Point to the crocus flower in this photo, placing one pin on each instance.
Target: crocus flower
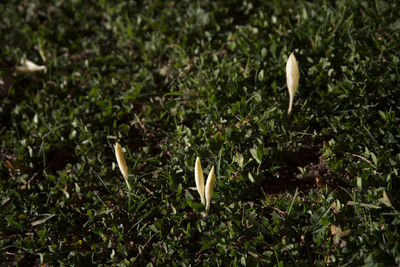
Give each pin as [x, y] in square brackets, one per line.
[205, 194]
[209, 188]
[28, 66]
[292, 78]
[122, 163]
[199, 178]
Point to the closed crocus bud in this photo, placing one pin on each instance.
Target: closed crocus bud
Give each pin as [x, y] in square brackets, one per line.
[28, 66]
[122, 163]
[209, 188]
[292, 79]
[199, 178]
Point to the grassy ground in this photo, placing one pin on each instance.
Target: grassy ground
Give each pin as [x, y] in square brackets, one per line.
[173, 80]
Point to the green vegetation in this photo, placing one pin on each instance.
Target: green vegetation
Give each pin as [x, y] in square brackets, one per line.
[173, 80]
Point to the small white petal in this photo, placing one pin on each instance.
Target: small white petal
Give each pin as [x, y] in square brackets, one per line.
[292, 78]
[122, 163]
[209, 188]
[199, 178]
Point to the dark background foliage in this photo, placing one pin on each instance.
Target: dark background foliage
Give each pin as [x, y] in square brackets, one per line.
[172, 80]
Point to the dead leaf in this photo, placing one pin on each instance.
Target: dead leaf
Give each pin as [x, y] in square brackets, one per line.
[337, 231]
[386, 199]
[337, 234]
[43, 220]
[320, 181]
[241, 123]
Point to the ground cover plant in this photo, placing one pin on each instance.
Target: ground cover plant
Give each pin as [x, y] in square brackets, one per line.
[171, 81]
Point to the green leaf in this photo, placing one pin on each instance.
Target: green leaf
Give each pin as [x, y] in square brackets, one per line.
[239, 159]
[257, 153]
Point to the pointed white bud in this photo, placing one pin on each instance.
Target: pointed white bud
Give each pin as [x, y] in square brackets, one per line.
[28, 66]
[292, 78]
[122, 163]
[199, 178]
[209, 188]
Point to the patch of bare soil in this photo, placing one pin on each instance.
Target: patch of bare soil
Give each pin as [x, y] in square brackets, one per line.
[317, 173]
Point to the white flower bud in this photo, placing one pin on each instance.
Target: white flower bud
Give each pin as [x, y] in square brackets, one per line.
[28, 66]
[292, 78]
[122, 163]
[199, 178]
[209, 188]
